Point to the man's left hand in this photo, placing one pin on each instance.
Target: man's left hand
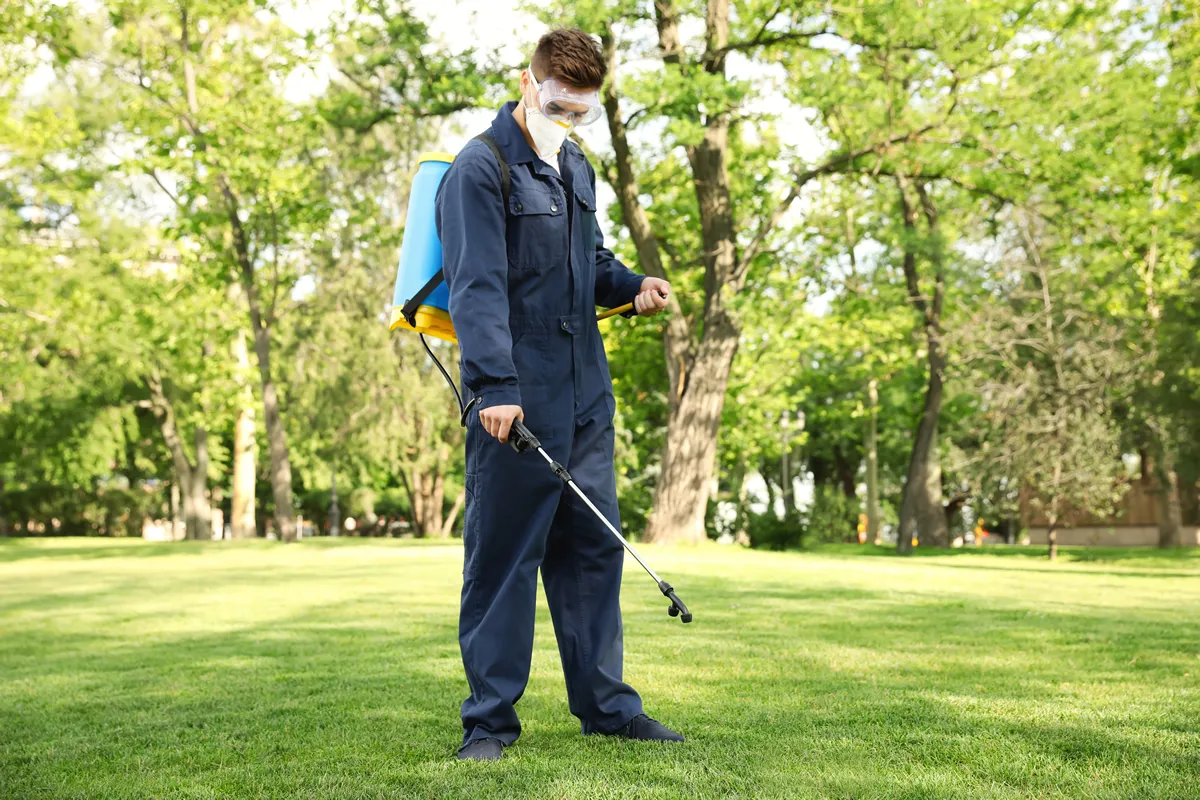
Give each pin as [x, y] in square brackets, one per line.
[652, 297]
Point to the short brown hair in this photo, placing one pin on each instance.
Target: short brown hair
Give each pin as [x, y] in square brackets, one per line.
[570, 55]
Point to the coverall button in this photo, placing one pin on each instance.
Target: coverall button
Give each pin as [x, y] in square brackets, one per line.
[554, 208]
[520, 207]
[565, 326]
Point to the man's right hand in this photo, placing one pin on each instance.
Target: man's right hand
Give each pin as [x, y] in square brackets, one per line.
[498, 420]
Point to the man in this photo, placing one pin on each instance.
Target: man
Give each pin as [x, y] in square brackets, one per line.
[526, 267]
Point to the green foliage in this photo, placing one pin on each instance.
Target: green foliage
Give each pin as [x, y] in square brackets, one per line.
[393, 503]
[833, 517]
[1069, 130]
[769, 532]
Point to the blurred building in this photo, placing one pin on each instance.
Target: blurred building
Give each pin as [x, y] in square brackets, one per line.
[1135, 522]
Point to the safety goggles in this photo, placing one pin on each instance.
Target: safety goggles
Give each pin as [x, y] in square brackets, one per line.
[565, 104]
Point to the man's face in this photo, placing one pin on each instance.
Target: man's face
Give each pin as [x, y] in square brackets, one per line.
[561, 109]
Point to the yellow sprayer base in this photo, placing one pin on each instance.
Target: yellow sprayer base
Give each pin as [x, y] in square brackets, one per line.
[430, 320]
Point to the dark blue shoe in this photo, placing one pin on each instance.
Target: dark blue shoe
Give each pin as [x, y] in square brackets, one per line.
[481, 750]
[644, 729]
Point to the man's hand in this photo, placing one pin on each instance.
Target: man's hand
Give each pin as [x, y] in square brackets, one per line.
[498, 420]
[652, 297]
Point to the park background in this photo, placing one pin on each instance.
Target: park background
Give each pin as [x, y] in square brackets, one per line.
[935, 266]
[936, 294]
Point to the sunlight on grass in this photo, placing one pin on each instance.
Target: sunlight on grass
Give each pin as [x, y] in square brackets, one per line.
[330, 669]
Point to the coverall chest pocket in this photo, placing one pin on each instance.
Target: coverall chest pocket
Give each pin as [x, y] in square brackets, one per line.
[537, 229]
[585, 198]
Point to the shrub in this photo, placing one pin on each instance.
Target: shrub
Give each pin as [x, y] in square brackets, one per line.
[768, 532]
[833, 517]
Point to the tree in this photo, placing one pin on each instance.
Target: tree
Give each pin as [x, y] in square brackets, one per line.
[1049, 368]
[241, 165]
[369, 402]
[921, 509]
[94, 319]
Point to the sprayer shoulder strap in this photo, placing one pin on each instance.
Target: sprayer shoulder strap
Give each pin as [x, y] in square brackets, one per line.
[409, 310]
[505, 177]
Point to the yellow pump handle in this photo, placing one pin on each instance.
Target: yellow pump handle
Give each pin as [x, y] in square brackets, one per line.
[612, 312]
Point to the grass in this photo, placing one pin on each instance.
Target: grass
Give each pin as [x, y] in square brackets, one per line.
[330, 670]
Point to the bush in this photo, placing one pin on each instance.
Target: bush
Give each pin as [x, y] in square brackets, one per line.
[108, 508]
[833, 517]
[768, 532]
[361, 504]
[393, 502]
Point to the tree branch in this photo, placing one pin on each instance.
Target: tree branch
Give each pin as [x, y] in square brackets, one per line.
[802, 177]
[8, 308]
[937, 255]
[153, 173]
[768, 41]
[911, 280]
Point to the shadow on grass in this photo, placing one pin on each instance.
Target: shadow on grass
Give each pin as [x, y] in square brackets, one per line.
[24, 549]
[12, 550]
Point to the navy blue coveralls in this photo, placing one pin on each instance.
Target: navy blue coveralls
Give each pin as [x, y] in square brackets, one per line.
[524, 284]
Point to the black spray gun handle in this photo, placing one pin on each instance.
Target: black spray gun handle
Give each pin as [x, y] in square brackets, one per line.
[521, 438]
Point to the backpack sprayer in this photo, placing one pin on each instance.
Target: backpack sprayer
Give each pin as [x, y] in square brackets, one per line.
[422, 304]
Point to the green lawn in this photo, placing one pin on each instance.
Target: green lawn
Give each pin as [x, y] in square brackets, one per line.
[330, 670]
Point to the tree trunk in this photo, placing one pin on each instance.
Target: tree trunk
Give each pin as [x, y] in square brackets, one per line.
[199, 520]
[428, 501]
[681, 497]
[189, 488]
[872, 462]
[437, 498]
[847, 473]
[413, 502]
[921, 511]
[698, 367]
[1170, 514]
[176, 522]
[241, 248]
[785, 468]
[335, 513]
[765, 473]
[452, 517]
[698, 388]
[242, 504]
[737, 495]
[1053, 517]
[136, 519]
[281, 465]
[424, 484]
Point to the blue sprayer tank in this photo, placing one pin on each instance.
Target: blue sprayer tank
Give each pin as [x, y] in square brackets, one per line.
[421, 254]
